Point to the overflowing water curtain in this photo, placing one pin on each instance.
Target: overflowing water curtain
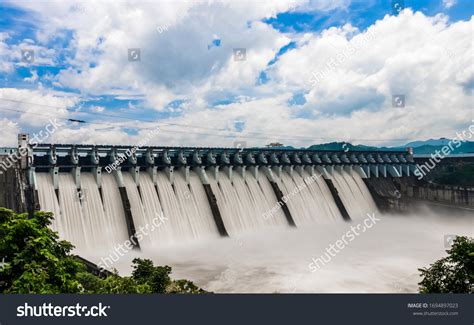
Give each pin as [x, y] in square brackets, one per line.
[354, 194]
[179, 211]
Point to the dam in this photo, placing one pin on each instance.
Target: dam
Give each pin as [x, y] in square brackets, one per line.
[103, 195]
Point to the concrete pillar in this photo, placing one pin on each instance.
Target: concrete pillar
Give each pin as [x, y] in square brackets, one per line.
[169, 172]
[324, 172]
[288, 169]
[253, 170]
[214, 172]
[374, 170]
[241, 171]
[359, 170]
[228, 170]
[277, 170]
[135, 171]
[76, 174]
[152, 171]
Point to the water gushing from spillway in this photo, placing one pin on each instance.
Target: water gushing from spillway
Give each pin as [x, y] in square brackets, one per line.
[182, 215]
[354, 194]
[76, 228]
[176, 208]
[84, 219]
[309, 198]
[245, 203]
[116, 228]
[49, 201]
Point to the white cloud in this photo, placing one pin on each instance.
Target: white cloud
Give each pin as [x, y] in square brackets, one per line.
[6, 64]
[449, 3]
[8, 133]
[33, 77]
[425, 58]
[16, 105]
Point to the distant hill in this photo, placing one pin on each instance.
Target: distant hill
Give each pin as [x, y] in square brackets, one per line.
[419, 147]
[431, 145]
[336, 146]
[430, 142]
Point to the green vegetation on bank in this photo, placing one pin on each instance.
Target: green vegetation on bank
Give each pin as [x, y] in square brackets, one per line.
[451, 274]
[34, 260]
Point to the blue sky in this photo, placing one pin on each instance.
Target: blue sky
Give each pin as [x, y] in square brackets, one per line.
[76, 56]
[362, 14]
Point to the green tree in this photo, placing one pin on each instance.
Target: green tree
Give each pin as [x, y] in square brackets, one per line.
[159, 280]
[117, 284]
[451, 274]
[36, 261]
[158, 277]
[184, 286]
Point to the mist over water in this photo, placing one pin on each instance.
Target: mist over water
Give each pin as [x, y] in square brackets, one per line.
[263, 254]
[385, 258]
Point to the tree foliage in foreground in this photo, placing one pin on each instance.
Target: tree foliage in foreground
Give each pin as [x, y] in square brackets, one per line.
[35, 260]
[451, 274]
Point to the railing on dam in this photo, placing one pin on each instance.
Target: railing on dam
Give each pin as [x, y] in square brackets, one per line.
[68, 156]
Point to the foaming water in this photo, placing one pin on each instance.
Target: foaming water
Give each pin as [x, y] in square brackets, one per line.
[277, 218]
[93, 212]
[200, 221]
[383, 259]
[198, 200]
[300, 212]
[247, 203]
[49, 201]
[76, 227]
[170, 204]
[153, 210]
[84, 220]
[322, 195]
[309, 198]
[116, 228]
[233, 213]
[186, 218]
[354, 194]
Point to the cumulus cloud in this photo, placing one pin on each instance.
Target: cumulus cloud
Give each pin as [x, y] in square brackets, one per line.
[410, 54]
[8, 133]
[346, 76]
[6, 64]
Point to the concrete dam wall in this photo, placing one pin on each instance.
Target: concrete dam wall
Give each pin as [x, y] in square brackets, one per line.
[103, 195]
